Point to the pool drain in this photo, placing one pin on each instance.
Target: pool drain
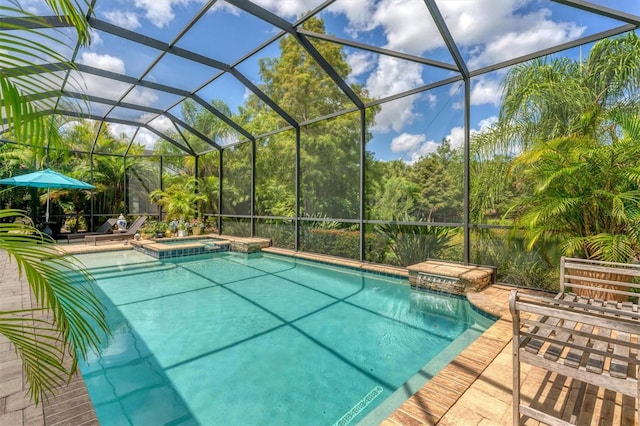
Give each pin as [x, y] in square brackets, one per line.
[361, 405]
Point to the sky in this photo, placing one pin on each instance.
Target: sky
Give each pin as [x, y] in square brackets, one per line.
[485, 31]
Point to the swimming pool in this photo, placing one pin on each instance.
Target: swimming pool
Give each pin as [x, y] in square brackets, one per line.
[231, 338]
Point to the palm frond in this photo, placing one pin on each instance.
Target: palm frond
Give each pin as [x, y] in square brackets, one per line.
[40, 346]
[23, 76]
[610, 247]
[62, 288]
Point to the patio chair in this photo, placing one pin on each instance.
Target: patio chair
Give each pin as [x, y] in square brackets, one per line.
[103, 229]
[135, 226]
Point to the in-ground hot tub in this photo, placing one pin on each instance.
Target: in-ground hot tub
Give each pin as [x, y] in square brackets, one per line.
[184, 246]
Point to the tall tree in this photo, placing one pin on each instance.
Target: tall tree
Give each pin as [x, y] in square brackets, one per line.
[330, 150]
[439, 177]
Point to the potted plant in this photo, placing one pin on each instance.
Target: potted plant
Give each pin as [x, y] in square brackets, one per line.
[183, 228]
[147, 231]
[179, 227]
[160, 228]
[197, 226]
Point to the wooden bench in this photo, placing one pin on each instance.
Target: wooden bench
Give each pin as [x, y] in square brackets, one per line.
[589, 331]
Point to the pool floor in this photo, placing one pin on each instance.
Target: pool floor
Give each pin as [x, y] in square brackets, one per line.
[256, 339]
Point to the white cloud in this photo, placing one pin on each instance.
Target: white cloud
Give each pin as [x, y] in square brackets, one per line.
[515, 44]
[142, 96]
[96, 39]
[99, 86]
[416, 146]
[487, 31]
[406, 142]
[431, 98]
[104, 62]
[456, 137]
[112, 89]
[358, 13]
[487, 123]
[161, 123]
[161, 12]
[394, 76]
[495, 30]
[413, 146]
[117, 130]
[221, 6]
[285, 9]
[395, 115]
[390, 77]
[485, 91]
[146, 138]
[456, 134]
[125, 19]
[423, 150]
[36, 7]
[407, 25]
[360, 63]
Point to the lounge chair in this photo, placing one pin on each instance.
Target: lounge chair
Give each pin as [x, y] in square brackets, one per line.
[135, 226]
[103, 229]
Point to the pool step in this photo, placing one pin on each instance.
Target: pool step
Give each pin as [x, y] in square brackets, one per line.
[131, 269]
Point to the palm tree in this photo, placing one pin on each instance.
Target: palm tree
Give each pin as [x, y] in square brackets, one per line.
[179, 199]
[547, 99]
[570, 107]
[68, 319]
[585, 192]
[567, 118]
[543, 100]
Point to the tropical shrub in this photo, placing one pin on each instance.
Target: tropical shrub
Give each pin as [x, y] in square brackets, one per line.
[410, 244]
[586, 193]
[180, 200]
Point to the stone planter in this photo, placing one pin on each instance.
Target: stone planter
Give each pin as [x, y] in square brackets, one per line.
[196, 230]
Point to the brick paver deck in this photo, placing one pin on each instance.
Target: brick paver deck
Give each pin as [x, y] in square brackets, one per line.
[474, 389]
[15, 407]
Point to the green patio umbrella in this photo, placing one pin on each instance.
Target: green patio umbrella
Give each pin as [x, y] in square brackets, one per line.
[46, 179]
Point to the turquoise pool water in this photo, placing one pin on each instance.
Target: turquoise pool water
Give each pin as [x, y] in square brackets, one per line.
[236, 339]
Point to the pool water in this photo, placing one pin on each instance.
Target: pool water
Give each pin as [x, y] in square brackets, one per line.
[236, 339]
